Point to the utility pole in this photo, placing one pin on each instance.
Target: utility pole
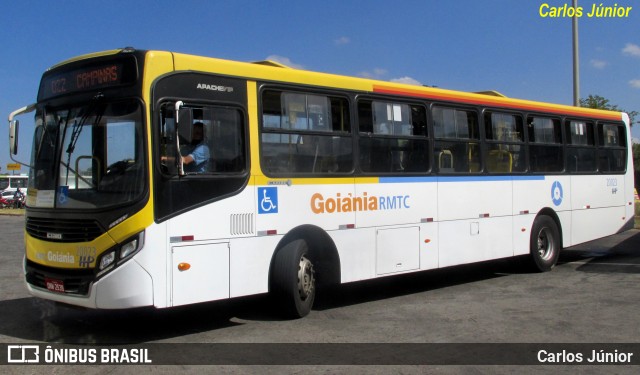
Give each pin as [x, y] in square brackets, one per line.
[576, 62]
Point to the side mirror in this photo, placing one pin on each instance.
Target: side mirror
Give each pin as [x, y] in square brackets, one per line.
[185, 124]
[13, 137]
[14, 124]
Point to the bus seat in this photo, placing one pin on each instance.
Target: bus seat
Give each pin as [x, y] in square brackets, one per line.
[499, 161]
[445, 161]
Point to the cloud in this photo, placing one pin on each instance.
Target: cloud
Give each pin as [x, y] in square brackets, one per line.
[377, 73]
[381, 74]
[631, 50]
[598, 64]
[342, 41]
[635, 83]
[407, 80]
[284, 61]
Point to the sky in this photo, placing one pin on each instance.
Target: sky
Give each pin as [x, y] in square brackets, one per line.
[517, 48]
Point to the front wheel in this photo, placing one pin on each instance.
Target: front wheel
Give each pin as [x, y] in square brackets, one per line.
[545, 244]
[293, 281]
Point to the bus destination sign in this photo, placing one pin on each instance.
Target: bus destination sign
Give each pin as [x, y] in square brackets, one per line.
[86, 78]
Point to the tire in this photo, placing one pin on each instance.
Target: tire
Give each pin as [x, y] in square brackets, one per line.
[545, 244]
[293, 281]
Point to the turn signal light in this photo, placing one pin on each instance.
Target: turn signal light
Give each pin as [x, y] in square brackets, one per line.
[184, 266]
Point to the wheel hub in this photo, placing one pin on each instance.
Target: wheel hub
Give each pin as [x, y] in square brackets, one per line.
[545, 244]
[306, 280]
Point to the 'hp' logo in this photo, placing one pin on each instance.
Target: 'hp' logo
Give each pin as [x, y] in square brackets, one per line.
[23, 354]
[85, 261]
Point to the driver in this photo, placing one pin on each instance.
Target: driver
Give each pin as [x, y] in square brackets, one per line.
[197, 153]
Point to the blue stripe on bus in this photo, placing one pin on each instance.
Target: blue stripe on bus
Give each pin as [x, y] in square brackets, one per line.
[398, 180]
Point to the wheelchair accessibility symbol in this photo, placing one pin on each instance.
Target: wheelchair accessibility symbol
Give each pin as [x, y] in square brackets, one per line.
[63, 195]
[556, 193]
[268, 200]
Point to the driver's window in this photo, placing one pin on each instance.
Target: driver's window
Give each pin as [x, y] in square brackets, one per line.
[212, 142]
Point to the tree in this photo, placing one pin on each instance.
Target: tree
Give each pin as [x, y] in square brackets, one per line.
[598, 102]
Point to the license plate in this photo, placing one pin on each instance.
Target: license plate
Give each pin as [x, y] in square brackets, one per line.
[54, 285]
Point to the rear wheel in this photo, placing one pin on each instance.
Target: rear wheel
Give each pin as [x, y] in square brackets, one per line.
[293, 282]
[545, 244]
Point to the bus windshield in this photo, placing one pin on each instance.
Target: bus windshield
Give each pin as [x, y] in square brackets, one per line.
[88, 157]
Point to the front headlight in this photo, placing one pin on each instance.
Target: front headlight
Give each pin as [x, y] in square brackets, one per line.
[128, 248]
[107, 260]
[120, 254]
[131, 246]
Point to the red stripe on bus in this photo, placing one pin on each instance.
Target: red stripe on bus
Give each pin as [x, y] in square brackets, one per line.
[488, 102]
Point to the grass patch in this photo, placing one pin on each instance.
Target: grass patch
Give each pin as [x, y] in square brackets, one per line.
[12, 211]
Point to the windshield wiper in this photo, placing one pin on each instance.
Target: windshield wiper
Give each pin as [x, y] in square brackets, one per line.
[79, 125]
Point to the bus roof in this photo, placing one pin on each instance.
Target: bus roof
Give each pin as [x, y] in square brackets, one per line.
[274, 71]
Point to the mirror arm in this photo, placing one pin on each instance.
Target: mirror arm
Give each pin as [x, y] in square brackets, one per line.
[21, 111]
[178, 105]
[179, 163]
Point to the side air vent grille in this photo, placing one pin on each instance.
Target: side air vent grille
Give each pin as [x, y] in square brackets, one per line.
[241, 224]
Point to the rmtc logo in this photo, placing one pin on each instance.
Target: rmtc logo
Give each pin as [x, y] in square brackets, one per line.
[556, 193]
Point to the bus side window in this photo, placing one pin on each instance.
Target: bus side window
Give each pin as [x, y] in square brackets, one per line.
[581, 150]
[612, 153]
[393, 137]
[505, 142]
[545, 144]
[305, 134]
[457, 133]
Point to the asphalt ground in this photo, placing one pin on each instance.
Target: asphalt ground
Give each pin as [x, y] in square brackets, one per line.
[590, 297]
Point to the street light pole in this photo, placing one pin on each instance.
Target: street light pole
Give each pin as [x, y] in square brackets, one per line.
[576, 62]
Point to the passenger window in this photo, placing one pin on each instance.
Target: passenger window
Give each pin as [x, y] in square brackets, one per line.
[545, 144]
[611, 135]
[305, 134]
[393, 137]
[457, 147]
[505, 143]
[581, 150]
[612, 152]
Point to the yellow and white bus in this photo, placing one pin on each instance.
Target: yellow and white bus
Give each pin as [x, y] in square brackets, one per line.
[300, 179]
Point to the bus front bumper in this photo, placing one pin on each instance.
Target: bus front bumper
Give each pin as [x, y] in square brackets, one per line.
[127, 286]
